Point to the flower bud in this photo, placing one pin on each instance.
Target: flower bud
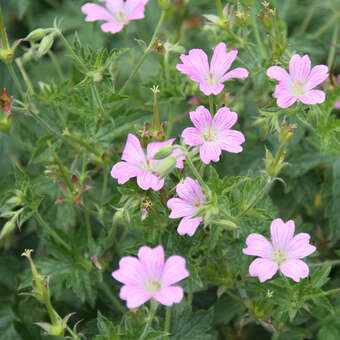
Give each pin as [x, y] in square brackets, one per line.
[166, 166]
[164, 4]
[163, 152]
[45, 44]
[37, 34]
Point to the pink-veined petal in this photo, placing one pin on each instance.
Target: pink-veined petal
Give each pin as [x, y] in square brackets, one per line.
[180, 208]
[258, 245]
[231, 141]
[299, 246]
[284, 97]
[115, 6]
[281, 233]
[294, 66]
[135, 9]
[295, 269]
[179, 161]
[201, 118]
[189, 225]
[134, 296]
[174, 270]
[153, 261]
[221, 60]
[224, 119]
[301, 68]
[210, 151]
[262, 268]
[318, 74]
[123, 171]
[238, 72]
[209, 89]
[190, 191]
[96, 12]
[313, 97]
[130, 272]
[169, 295]
[147, 180]
[112, 27]
[277, 73]
[192, 136]
[133, 152]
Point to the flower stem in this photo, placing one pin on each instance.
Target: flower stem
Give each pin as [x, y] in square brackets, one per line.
[24, 75]
[56, 64]
[211, 104]
[194, 170]
[97, 99]
[328, 292]
[190, 291]
[108, 292]
[167, 321]
[3, 32]
[219, 8]
[152, 312]
[334, 262]
[51, 231]
[257, 35]
[90, 240]
[104, 184]
[332, 50]
[146, 53]
[16, 80]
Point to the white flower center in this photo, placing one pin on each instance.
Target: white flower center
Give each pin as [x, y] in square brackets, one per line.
[153, 286]
[278, 257]
[211, 78]
[120, 16]
[209, 134]
[298, 88]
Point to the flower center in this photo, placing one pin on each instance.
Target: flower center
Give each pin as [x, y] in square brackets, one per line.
[211, 79]
[278, 257]
[152, 286]
[209, 134]
[120, 16]
[298, 88]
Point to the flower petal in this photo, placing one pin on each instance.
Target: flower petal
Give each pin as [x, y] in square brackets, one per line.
[294, 66]
[221, 60]
[174, 270]
[180, 208]
[284, 97]
[209, 89]
[277, 73]
[224, 119]
[238, 72]
[179, 161]
[201, 118]
[135, 9]
[153, 261]
[195, 65]
[301, 68]
[95, 12]
[147, 180]
[135, 296]
[153, 147]
[295, 269]
[299, 246]
[317, 75]
[123, 171]
[190, 191]
[281, 233]
[169, 295]
[313, 97]
[258, 245]
[131, 272]
[210, 151]
[189, 225]
[192, 136]
[112, 27]
[263, 268]
[133, 152]
[231, 141]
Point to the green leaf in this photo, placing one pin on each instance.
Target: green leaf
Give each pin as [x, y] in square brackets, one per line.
[329, 332]
[106, 328]
[321, 276]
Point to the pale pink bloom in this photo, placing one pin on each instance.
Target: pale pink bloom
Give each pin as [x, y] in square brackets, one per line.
[149, 277]
[190, 199]
[138, 164]
[213, 134]
[299, 83]
[211, 77]
[117, 13]
[337, 104]
[283, 253]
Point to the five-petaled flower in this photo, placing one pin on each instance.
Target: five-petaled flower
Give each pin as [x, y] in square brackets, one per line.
[190, 200]
[117, 13]
[5, 101]
[298, 84]
[283, 253]
[138, 164]
[213, 134]
[211, 77]
[149, 277]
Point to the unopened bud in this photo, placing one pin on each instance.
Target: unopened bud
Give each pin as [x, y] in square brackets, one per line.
[37, 34]
[45, 44]
[164, 4]
[163, 152]
[286, 133]
[166, 166]
[6, 55]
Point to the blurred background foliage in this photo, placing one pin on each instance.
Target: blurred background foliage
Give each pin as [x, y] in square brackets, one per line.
[69, 105]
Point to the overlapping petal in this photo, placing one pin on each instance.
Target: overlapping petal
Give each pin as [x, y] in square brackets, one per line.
[258, 245]
[264, 269]
[295, 269]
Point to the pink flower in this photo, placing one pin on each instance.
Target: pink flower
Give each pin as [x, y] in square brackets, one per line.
[117, 13]
[149, 277]
[337, 104]
[211, 78]
[284, 253]
[191, 199]
[213, 134]
[299, 83]
[138, 164]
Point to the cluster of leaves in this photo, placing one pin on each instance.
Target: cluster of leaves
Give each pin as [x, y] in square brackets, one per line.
[69, 128]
